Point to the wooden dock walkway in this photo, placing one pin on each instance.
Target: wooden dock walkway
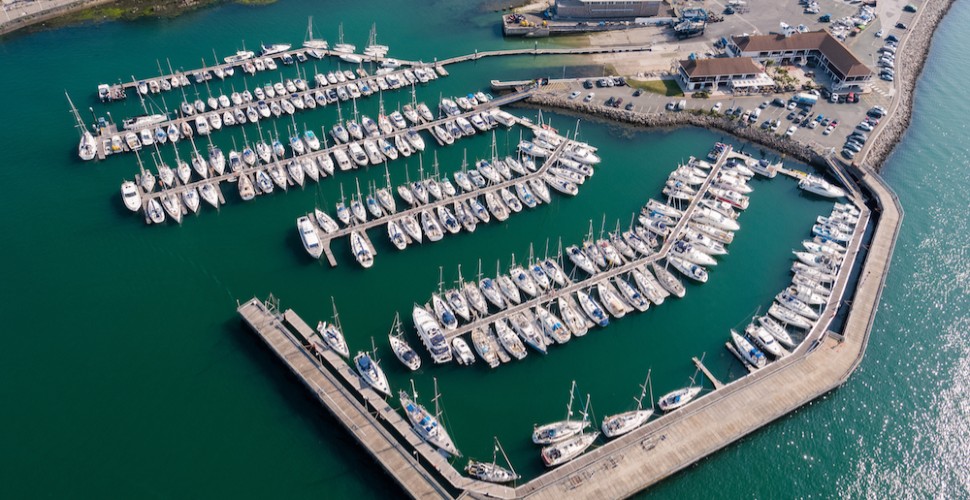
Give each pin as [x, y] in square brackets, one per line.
[590, 281]
[231, 177]
[707, 373]
[432, 205]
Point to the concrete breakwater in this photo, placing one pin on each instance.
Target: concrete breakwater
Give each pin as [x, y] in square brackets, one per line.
[795, 149]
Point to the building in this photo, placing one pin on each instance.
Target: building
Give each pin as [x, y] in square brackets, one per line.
[818, 49]
[606, 9]
[731, 72]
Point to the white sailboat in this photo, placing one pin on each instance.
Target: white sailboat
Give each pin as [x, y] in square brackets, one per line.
[426, 424]
[404, 352]
[492, 472]
[332, 333]
[623, 423]
[370, 370]
[563, 429]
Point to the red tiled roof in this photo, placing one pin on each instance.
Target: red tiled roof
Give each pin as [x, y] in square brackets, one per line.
[838, 54]
[720, 66]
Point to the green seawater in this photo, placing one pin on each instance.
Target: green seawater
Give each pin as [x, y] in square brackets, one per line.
[126, 372]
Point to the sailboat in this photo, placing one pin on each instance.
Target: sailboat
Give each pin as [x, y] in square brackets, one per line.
[563, 429]
[427, 425]
[492, 472]
[332, 333]
[623, 423]
[370, 370]
[407, 355]
[564, 451]
[313, 43]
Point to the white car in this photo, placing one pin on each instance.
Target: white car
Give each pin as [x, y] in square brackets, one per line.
[791, 105]
[716, 108]
[589, 97]
[574, 94]
[864, 126]
[791, 131]
[828, 130]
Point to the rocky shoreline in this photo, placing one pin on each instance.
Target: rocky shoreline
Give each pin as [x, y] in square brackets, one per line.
[914, 50]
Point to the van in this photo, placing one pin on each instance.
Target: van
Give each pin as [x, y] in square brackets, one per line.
[755, 114]
[681, 105]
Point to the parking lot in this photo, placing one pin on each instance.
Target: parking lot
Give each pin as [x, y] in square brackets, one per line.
[847, 115]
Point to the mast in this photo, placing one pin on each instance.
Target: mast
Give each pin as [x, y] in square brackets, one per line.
[643, 392]
[437, 407]
[508, 462]
[77, 116]
[572, 394]
[336, 317]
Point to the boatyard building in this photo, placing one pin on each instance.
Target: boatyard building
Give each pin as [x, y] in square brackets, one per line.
[722, 72]
[817, 48]
[606, 9]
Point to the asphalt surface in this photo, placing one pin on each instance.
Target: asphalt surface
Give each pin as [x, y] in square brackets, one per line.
[848, 115]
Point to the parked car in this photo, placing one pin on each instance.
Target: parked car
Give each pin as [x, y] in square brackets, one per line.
[775, 125]
[826, 122]
[886, 76]
[609, 102]
[617, 102]
[792, 115]
[589, 97]
[778, 101]
[864, 126]
[892, 38]
[763, 105]
[637, 92]
[716, 108]
[792, 105]
[901, 26]
[746, 115]
[574, 94]
[629, 106]
[852, 146]
[671, 106]
[791, 131]
[588, 84]
[848, 155]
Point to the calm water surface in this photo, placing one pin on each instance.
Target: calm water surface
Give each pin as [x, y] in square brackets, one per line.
[127, 371]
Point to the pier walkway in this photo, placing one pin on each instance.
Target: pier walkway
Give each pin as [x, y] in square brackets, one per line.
[536, 51]
[310, 90]
[230, 176]
[590, 281]
[415, 210]
[119, 90]
[384, 433]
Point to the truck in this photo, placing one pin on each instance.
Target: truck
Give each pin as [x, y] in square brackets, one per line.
[803, 98]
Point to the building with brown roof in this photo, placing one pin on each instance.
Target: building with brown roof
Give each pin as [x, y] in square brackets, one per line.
[709, 74]
[817, 48]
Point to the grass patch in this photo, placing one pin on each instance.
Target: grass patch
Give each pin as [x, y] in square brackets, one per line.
[667, 88]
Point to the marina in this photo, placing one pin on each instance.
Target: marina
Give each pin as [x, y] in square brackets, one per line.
[229, 176]
[600, 276]
[416, 209]
[672, 441]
